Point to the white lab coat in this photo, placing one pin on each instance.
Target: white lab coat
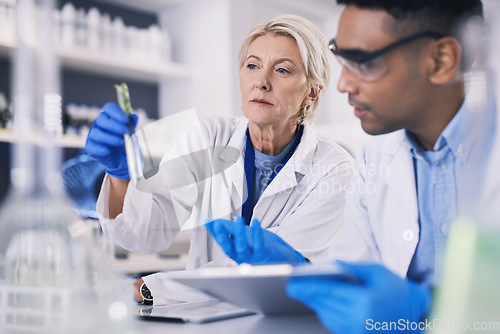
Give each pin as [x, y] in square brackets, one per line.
[304, 204]
[381, 215]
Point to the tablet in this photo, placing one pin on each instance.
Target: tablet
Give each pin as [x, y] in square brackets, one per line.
[193, 312]
[260, 289]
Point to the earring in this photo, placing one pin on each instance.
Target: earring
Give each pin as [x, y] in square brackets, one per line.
[302, 115]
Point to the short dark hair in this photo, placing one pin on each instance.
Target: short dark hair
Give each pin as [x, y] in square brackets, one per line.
[411, 16]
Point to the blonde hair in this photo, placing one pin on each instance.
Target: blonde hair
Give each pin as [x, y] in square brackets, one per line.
[313, 49]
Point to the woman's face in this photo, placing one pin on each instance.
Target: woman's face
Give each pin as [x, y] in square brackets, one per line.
[273, 82]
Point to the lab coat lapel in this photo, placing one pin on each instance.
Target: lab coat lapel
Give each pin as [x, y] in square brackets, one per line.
[235, 175]
[400, 175]
[282, 186]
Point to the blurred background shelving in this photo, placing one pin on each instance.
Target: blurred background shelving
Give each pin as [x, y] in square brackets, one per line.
[106, 66]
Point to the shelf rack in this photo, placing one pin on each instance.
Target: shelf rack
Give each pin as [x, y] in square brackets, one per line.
[138, 69]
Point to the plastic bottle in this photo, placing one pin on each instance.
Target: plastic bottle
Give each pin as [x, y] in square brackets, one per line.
[141, 44]
[93, 28]
[117, 42]
[56, 33]
[105, 33]
[81, 31]
[68, 21]
[155, 40]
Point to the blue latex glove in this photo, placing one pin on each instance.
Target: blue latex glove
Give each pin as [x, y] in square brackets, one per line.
[373, 295]
[252, 244]
[105, 141]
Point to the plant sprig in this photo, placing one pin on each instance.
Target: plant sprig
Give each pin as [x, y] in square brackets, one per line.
[123, 97]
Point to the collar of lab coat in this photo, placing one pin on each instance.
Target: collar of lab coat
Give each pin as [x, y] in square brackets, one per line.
[297, 166]
[236, 174]
[236, 141]
[399, 174]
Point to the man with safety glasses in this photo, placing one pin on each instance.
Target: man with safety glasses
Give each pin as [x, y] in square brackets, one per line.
[404, 68]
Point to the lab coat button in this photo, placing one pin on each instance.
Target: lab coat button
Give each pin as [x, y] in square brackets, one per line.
[408, 235]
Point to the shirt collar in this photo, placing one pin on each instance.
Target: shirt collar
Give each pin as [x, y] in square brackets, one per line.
[457, 135]
[454, 137]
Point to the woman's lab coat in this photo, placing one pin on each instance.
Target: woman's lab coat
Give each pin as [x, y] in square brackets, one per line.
[304, 204]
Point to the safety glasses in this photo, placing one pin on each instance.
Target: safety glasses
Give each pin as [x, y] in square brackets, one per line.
[370, 66]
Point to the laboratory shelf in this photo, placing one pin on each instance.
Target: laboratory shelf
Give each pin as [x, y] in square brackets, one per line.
[67, 141]
[126, 67]
[139, 69]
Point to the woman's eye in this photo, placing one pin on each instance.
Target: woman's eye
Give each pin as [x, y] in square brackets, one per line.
[283, 71]
[252, 66]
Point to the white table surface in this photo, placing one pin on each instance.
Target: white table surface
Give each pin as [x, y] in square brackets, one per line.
[252, 324]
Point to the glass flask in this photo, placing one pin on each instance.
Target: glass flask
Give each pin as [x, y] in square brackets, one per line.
[54, 276]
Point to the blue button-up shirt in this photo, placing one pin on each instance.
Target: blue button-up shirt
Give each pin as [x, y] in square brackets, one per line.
[436, 175]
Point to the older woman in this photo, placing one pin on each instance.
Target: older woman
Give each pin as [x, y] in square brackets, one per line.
[284, 174]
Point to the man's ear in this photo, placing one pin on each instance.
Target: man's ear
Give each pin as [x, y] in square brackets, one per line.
[446, 56]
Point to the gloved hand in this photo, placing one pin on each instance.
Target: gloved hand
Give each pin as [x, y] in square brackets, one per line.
[371, 296]
[252, 244]
[105, 141]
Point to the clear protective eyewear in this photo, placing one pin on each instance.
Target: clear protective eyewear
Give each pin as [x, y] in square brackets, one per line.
[370, 66]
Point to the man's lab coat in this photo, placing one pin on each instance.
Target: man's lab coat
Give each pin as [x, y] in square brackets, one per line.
[381, 215]
[381, 222]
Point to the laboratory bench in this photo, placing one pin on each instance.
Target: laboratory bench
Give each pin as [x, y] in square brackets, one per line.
[252, 324]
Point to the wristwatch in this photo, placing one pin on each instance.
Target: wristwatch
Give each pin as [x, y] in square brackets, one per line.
[147, 298]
